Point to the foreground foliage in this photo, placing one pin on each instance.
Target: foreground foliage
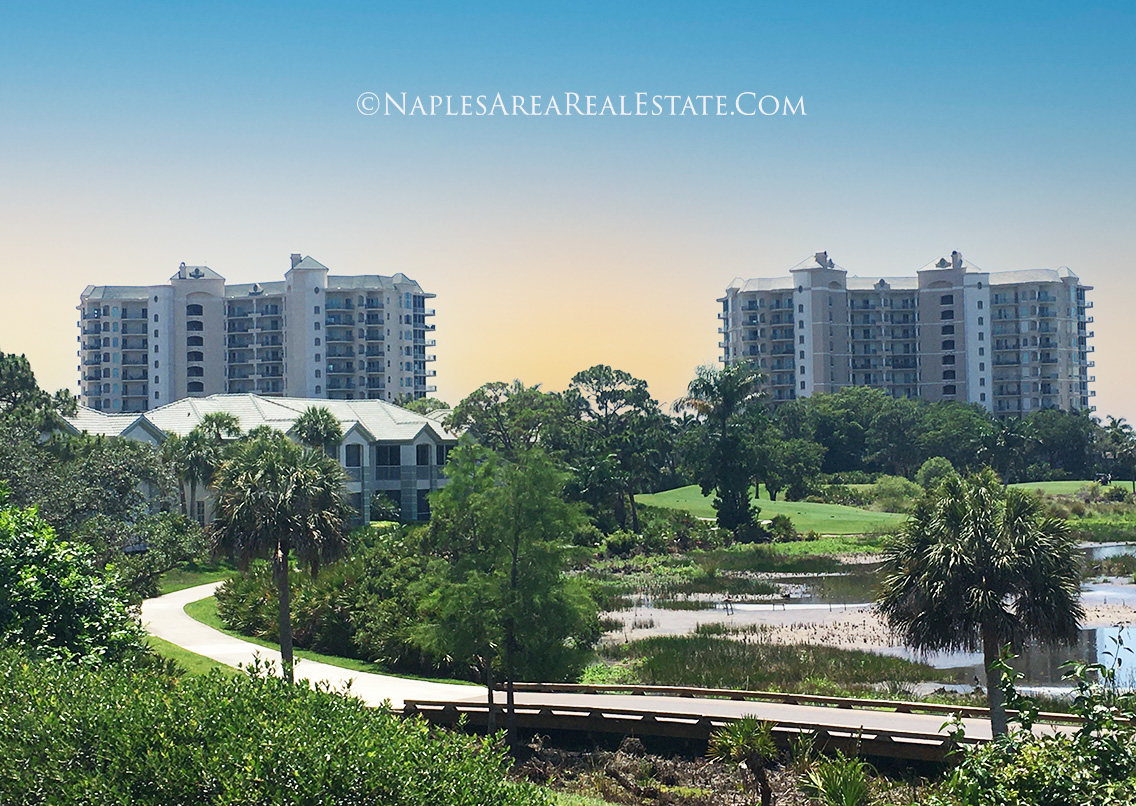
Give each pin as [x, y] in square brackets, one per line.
[143, 736]
[54, 601]
[1095, 765]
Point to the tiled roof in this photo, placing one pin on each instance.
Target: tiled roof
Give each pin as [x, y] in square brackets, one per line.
[384, 421]
[97, 423]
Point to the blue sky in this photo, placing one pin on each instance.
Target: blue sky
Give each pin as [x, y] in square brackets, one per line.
[136, 136]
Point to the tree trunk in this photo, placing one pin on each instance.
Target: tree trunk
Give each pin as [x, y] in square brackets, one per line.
[193, 501]
[284, 595]
[763, 785]
[492, 725]
[634, 512]
[990, 649]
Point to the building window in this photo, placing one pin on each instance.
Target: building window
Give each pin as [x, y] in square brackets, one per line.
[317, 373]
[801, 339]
[981, 381]
[948, 359]
[317, 356]
[948, 330]
[947, 314]
[982, 351]
[980, 305]
[193, 310]
[423, 454]
[802, 384]
[800, 309]
[948, 374]
[194, 341]
[981, 336]
[196, 355]
[195, 372]
[195, 386]
[317, 310]
[947, 299]
[155, 334]
[319, 389]
[194, 326]
[981, 320]
[949, 389]
[317, 325]
[441, 455]
[353, 455]
[387, 455]
[949, 344]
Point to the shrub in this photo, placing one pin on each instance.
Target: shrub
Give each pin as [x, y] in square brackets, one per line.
[120, 735]
[1077, 509]
[782, 529]
[55, 602]
[896, 494]
[1115, 494]
[384, 507]
[839, 781]
[934, 470]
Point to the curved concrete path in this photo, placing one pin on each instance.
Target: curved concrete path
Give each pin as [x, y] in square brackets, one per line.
[165, 617]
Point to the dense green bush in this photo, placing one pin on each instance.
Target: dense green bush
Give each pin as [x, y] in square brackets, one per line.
[364, 606]
[54, 601]
[934, 470]
[1095, 764]
[896, 494]
[113, 735]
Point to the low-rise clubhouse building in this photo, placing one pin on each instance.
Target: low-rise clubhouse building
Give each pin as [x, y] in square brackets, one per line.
[385, 448]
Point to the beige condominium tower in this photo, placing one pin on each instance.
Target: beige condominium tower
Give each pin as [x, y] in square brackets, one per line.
[1012, 342]
[311, 335]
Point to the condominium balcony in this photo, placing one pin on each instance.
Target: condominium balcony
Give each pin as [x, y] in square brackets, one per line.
[343, 319]
[340, 336]
[340, 368]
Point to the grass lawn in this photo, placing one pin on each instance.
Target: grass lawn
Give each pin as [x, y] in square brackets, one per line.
[825, 519]
[190, 661]
[192, 576]
[205, 611]
[1053, 487]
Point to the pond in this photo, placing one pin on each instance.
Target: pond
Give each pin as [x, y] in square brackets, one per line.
[835, 609]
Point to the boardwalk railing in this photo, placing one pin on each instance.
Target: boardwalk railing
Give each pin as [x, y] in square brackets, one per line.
[890, 743]
[897, 706]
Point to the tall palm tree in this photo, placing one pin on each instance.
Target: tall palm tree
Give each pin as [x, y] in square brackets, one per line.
[1121, 445]
[274, 498]
[721, 397]
[319, 428]
[1007, 446]
[979, 565]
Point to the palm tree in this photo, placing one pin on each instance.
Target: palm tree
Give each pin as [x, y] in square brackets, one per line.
[274, 498]
[979, 565]
[1007, 446]
[721, 397]
[1121, 443]
[319, 428]
[196, 456]
[748, 743]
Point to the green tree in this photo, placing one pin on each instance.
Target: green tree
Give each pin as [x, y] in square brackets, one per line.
[274, 498]
[511, 418]
[422, 405]
[789, 464]
[933, 471]
[21, 397]
[505, 602]
[980, 566]
[1119, 449]
[623, 442]
[1007, 447]
[318, 428]
[729, 402]
[54, 600]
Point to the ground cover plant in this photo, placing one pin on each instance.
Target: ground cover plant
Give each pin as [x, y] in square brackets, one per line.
[714, 661]
[70, 734]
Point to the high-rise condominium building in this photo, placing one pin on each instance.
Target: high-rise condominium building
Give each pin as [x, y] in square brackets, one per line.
[311, 335]
[1012, 342]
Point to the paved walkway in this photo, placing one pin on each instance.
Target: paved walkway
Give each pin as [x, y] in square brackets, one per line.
[165, 617]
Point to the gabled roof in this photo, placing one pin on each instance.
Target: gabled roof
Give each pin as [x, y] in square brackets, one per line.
[98, 423]
[384, 421]
[310, 262]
